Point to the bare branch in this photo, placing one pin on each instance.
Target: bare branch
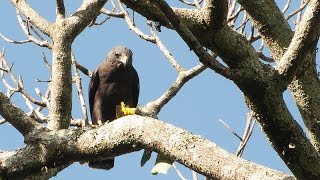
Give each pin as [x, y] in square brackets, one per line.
[25, 29]
[304, 39]
[303, 5]
[178, 172]
[13, 41]
[247, 134]
[132, 25]
[183, 77]
[232, 19]
[83, 69]
[19, 83]
[33, 16]
[60, 9]
[44, 58]
[16, 116]
[194, 175]
[164, 49]
[286, 7]
[79, 90]
[191, 40]
[112, 14]
[137, 132]
[242, 26]
[88, 10]
[230, 129]
[195, 3]
[264, 58]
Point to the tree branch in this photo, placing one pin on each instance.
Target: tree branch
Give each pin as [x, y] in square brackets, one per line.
[16, 116]
[155, 106]
[305, 38]
[125, 135]
[79, 90]
[42, 24]
[191, 40]
[88, 10]
[25, 27]
[60, 9]
[305, 87]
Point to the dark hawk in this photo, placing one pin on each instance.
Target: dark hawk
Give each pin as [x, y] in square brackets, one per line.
[114, 81]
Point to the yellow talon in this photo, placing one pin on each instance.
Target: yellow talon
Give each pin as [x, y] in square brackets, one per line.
[123, 110]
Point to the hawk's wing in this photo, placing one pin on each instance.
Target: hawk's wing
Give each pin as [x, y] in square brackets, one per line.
[93, 87]
[136, 88]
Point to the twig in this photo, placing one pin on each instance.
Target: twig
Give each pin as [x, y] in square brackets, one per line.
[286, 7]
[79, 90]
[194, 175]
[16, 116]
[183, 77]
[178, 172]
[133, 27]
[28, 34]
[191, 40]
[44, 58]
[37, 33]
[264, 58]
[303, 5]
[230, 129]
[112, 14]
[83, 69]
[247, 133]
[13, 41]
[231, 20]
[19, 83]
[195, 3]
[164, 49]
[242, 26]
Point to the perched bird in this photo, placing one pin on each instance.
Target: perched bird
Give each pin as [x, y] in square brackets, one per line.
[114, 81]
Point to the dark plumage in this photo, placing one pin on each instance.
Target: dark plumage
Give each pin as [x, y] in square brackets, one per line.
[114, 80]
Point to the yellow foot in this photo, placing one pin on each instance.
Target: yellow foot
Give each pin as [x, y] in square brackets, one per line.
[123, 110]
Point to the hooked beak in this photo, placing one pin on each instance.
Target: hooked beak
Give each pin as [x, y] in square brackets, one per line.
[124, 59]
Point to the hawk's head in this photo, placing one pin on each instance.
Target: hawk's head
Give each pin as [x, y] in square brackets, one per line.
[122, 54]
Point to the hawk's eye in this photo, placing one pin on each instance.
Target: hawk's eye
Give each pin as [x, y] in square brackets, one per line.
[117, 55]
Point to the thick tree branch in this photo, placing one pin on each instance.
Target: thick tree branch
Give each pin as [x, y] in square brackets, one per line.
[42, 24]
[88, 10]
[60, 9]
[284, 133]
[270, 22]
[305, 38]
[305, 87]
[63, 34]
[16, 116]
[197, 20]
[218, 11]
[131, 133]
[61, 82]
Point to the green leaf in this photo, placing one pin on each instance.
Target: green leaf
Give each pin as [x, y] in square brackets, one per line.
[162, 165]
[145, 157]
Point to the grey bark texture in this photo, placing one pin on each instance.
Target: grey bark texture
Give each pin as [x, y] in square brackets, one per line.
[56, 146]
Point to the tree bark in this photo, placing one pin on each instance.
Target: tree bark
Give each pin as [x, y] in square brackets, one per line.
[305, 87]
[46, 149]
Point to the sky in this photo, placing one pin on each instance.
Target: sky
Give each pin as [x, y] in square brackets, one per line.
[197, 107]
